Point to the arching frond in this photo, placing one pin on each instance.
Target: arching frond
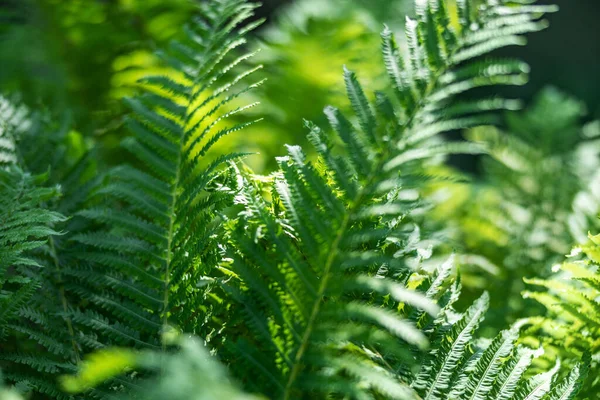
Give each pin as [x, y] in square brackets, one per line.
[25, 227]
[154, 222]
[318, 270]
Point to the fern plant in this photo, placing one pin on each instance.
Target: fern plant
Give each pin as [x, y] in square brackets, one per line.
[512, 222]
[571, 298]
[306, 268]
[306, 283]
[95, 285]
[464, 366]
[461, 365]
[26, 225]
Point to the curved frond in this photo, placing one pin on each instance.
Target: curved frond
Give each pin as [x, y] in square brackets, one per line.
[299, 265]
[153, 223]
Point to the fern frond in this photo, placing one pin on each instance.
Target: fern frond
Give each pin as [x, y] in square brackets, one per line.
[464, 368]
[300, 266]
[25, 223]
[26, 229]
[153, 224]
[434, 380]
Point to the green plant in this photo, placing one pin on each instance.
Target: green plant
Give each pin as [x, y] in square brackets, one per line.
[571, 298]
[306, 283]
[536, 197]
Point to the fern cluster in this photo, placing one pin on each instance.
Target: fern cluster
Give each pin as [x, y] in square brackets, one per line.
[571, 298]
[513, 224]
[307, 283]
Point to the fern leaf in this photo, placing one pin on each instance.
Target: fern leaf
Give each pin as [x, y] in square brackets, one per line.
[434, 381]
[153, 225]
[299, 265]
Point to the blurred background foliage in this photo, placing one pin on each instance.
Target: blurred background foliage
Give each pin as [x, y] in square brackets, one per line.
[508, 215]
[538, 193]
[82, 56]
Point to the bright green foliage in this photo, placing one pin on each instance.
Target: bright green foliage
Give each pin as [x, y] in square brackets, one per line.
[307, 268]
[177, 375]
[106, 281]
[571, 298]
[155, 220]
[303, 51]
[514, 223]
[65, 52]
[461, 367]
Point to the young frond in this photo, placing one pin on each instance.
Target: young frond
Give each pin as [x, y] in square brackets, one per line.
[463, 368]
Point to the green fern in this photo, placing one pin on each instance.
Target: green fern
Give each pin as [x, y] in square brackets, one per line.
[310, 269]
[24, 226]
[512, 223]
[40, 342]
[308, 283]
[572, 328]
[155, 219]
[91, 295]
[461, 367]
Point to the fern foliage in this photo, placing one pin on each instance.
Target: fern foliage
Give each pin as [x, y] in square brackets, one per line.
[107, 280]
[462, 366]
[174, 375]
[307, 283]
[512, 224]
[25, 226]
[310, 268]
[571, 329]
[153, 220]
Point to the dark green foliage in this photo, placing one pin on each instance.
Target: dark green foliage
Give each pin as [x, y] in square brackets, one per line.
[26, 225]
